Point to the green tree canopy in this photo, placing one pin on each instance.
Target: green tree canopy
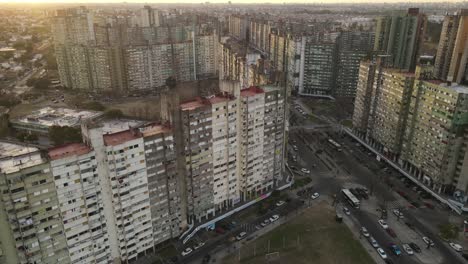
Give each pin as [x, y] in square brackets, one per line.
[59, 135]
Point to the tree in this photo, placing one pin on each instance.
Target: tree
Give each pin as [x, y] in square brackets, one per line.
[31, 81]
[93, 105]
[8, 100]
[448, 231]
[113, 113]
[42, 84]
[60, 135]
[171, 82]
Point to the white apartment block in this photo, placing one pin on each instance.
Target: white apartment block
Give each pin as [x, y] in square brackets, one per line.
[79, 194]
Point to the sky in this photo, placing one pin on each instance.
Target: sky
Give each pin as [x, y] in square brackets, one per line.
[220, 1]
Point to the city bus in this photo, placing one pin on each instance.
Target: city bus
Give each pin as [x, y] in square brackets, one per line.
[350, 198]
[334, 144]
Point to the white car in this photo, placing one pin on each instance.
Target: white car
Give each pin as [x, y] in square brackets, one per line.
[315, 196]
[455, 246]
[280, 203]
[383, 224]
[398, 213]
[186, 251]
[407, 248]
[241, 236]
[373, 242]
[274, 218]
[382, 253]
[304, 170]
[199, 245]
[346, 211]
[364, 232]
[265, 222]
[428, 241]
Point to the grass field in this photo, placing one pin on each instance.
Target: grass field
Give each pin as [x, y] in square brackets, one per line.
[313, 237]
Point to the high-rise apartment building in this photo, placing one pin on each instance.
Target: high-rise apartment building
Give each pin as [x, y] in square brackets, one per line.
[122, 58]
[352, 47]
[260, 34]
[79, 193]
[416, 121]
[319, 68]
[451, 59]
[239, 26]
[31, 226]
[401, 36]
[149, 17]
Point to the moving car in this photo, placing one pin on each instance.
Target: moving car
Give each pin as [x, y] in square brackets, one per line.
[304, 170]
[383, 224]
[199, 245]
[241, 236]
[186, 251]
[415, 247]
[395, 249]
[455, 246]
[364, 232]
[428, 241]
[274, 218]
[315, 196]
[398, 213]
[382, 253]
[280, 203]
[407, 248]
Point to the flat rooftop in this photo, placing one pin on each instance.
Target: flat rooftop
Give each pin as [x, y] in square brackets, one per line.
[14, 157]
[68, 150]
[155, 129]
[459, 88]
[49, 116]
[251, 91]
[205, 101]
[117, 125]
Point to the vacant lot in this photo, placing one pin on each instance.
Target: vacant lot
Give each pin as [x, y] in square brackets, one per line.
[313, 237]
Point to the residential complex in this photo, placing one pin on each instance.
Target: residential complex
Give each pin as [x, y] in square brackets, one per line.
[415, 120]
[124, 189]
[116, 57]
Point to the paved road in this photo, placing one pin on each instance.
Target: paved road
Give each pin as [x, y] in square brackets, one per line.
[357, 170]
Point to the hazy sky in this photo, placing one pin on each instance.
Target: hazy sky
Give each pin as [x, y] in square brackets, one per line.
[218, 1]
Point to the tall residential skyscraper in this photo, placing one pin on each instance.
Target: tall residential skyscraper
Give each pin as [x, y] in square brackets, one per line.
[401, 36]
[452, 57]
[31, 225]
[417, 121]
[352, 47]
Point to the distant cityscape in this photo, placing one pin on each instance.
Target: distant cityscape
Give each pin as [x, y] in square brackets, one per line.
[127, 128]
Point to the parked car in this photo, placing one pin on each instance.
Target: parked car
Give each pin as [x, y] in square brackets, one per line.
[391, 232]
[265, 222]
[383, 224]
[373, 242]
[407, 248]
[315, 196]
[304, 170]
[415, 247]
[428, 241]
[456, 246]
[280, 203]
[398, 213]
[220, 230]
[199, 245]
[364, 232]
[382, 253]
[258, 227]
[346, 211]
[241, 236]
[186, 251]
[274, 218]
[395, 249]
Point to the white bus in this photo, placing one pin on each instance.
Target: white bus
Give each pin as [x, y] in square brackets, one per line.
[352, 200]
[334, 144]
